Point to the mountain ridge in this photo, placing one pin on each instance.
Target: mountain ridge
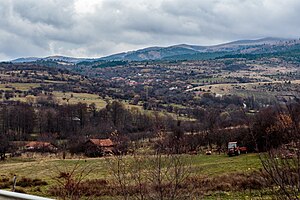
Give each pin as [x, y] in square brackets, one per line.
[159, 53]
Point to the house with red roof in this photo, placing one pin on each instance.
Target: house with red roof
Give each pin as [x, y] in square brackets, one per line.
[98, 147]
[40, 146]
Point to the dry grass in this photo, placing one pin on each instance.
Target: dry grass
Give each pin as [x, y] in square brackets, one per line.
[19, 86]
[208, 170]
[74, 98]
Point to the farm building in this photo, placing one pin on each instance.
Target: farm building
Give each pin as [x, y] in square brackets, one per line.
[40, 146]
[98, 147]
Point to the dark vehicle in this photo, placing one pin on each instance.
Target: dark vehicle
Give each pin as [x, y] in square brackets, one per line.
[234, 149]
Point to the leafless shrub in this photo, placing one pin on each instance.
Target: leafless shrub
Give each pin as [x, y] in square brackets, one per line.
[97, 187]
[119, 167]
[28, 182]
[138, 176]
[283, 170]
[150, 177]
[167, 173]
[241, 182]
[68, 181]
[4, 182]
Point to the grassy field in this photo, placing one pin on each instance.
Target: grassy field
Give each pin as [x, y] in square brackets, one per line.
[80, 97]
[213, 80]
[46, 169]
[19, 86]
[206, 165]
[231, 88]
[62, 97]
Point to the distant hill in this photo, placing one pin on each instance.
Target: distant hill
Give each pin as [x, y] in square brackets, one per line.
[23, 60]
[184, 51]
[268, 40]
[63, 59]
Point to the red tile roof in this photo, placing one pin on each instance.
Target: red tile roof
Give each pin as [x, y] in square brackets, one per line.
[102, 142]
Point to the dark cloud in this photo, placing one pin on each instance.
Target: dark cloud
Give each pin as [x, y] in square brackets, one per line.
[56, 13]
[94, 28]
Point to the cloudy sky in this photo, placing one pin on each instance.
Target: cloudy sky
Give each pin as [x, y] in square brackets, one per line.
[93, 28]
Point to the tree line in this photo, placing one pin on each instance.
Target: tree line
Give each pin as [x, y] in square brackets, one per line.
[211, 128]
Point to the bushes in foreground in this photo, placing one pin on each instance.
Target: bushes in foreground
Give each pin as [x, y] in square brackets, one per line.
[23, 182]
[196, 186]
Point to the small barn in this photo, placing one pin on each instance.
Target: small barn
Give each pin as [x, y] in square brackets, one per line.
[98, 147]
[40, 146]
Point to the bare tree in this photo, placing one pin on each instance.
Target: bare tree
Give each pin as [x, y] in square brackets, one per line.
[156, 176]
[284, 172]
[282, 165]
[119, 167]
[167, 174]
[150, 177]
[138, 176]
[68, 180]
[4, 145]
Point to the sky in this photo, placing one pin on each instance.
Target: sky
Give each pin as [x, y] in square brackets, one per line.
[95, 28]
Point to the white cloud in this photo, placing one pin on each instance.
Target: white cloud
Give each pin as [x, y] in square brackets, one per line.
[83, 7]
[94, 28]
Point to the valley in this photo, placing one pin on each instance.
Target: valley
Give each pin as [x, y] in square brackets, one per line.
[101, 127]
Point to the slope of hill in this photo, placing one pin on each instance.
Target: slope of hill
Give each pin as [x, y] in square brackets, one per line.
[24, 60]
[183, 51]
[63, 59]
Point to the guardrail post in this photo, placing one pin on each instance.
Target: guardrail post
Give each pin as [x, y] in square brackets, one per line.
[14, 183]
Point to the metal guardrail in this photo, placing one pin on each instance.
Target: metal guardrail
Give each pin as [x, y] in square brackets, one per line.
[6, 195]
